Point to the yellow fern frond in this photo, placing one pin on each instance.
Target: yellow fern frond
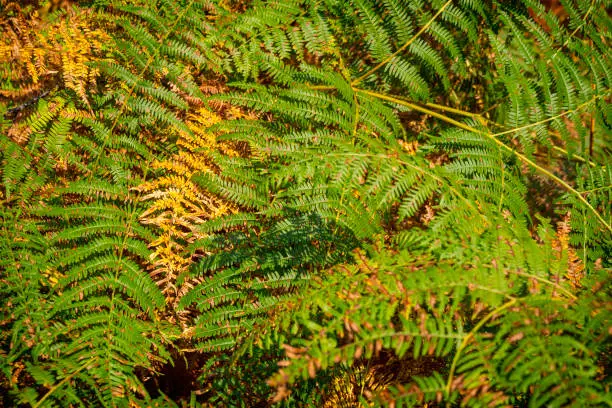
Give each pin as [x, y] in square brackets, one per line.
[36, 50]
[178, 204]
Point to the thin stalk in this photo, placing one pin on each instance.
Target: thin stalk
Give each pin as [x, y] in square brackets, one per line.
[574, 156]
[560, 115]
[573, 33]
[453, 110]
[469, 336]
[403, 47]
[418, 108]
[548, 282]
[559, 181]
[60, 384]
[493, 137]
[484, 121]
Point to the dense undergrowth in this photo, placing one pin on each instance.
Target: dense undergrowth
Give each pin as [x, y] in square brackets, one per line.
[305, 203]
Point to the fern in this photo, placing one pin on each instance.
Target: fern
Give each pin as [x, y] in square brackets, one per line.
[357, 174]
[343, 200]
[417, 309]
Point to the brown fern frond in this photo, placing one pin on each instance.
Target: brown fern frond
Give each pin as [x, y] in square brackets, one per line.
[565, 253]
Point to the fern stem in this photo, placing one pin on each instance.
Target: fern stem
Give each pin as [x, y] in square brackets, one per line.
[493, 137]
[548, 282]
[403, 47]
[454, 110]
[60, 384]
[574, 156]
[573, 33]
[484, 121]
[596, 189]
[548, 173]
[469, 336]
[322, 87]
[550, 119]
[403, 102]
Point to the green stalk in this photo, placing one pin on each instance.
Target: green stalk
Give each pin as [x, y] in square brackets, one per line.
[493, 137]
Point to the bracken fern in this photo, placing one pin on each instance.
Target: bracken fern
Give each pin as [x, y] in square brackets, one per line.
[321, 201]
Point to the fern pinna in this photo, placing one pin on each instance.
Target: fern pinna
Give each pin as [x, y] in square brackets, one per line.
[311, 203]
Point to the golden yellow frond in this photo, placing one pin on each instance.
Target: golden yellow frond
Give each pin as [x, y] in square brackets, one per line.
[37, 54]
[177, 204]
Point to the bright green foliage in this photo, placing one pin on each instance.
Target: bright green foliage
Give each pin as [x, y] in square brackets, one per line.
[401, 165]
[415, 303]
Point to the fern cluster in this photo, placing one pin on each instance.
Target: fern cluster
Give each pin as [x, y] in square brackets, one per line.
[71, 171]
[311, 203]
